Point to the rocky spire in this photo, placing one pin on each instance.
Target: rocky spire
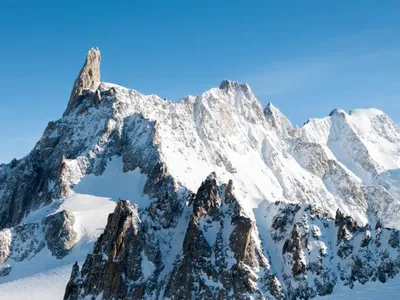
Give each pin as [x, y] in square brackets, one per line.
[88, 78]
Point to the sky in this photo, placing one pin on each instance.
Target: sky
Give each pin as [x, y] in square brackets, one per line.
[306, 57]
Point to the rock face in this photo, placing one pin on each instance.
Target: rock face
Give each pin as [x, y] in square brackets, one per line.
[116, 258]
[60, 234]
[219, 254]
[219, 251]
[20, 243]
[319, 252]
[24, 241]
[88, 79]
[217, 258]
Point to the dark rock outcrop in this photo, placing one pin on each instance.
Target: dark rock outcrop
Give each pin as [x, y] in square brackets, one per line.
[72, 289]
[60, 235]
[19, 243]
[87, 80]
[318, 252]
[293, 247]
[116, 258]
[218, 260]
[219, 257]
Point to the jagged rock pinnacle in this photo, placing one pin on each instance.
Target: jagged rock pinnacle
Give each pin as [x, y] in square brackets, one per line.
[337, 111]
[227, 84]
[88, 78]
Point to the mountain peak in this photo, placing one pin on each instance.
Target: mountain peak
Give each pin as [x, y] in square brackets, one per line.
[337, 111]
[229, 84]
[191, 237]
[277, 120]
[269, 105]
[88, 78]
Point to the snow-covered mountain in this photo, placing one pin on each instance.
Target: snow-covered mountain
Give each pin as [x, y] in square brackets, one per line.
[226, 199]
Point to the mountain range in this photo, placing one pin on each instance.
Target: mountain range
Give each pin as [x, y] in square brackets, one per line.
[211, 197]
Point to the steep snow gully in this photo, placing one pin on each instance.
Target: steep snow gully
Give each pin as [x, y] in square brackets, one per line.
[212, 197]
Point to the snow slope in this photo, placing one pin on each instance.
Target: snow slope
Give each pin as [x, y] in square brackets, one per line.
[50, 285]
[46, 285]
[370, 291]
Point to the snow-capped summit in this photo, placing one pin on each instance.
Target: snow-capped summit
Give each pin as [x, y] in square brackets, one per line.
[278, 120]
[229, 84]
[286, 212]
[337, 112]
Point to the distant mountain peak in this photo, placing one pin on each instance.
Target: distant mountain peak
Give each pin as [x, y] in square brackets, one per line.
[277, 120]
[230, 84]
[337, 111]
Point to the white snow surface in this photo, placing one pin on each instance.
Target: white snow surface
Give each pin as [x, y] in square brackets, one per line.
[115, 184]
[46, 285]
[370, 290]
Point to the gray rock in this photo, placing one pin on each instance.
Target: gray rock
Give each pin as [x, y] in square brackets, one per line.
[132, 238]
[5, 244]
[115, 261]
[72, 288]
[60, 235]
[19, 243]
[352, 254]
[87, 80]
[26, 241]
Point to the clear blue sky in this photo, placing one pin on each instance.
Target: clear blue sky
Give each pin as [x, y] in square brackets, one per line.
[307, 57]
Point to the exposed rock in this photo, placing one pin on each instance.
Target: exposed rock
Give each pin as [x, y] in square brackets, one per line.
[394, 240]
[207, 198]
[87, 80]
[367, 239]
[110, 92]
[345, 221]
[205, 238]
[24, 190]
[311, 267]
[278, 121]
[19, 243]
[241, 237]
[217, 228]
[60, 235]
[26, 241]
[5, 244]
[229, 84]
[5, 270]
[378, 224]
[72, 289]
[115, 261]
[294, 247]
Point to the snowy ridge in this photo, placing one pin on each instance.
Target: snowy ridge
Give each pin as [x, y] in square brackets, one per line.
[114, 142]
